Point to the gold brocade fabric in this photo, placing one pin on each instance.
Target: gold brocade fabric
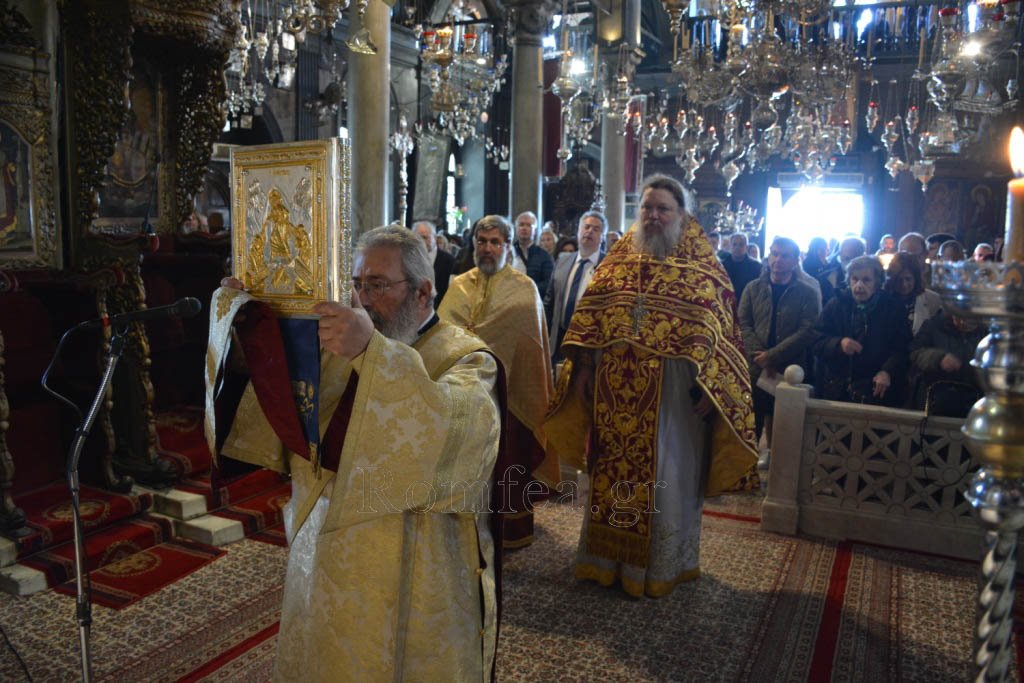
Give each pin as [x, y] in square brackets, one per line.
[224, 306]
[391, 577]
[506, 311]
[639, 311]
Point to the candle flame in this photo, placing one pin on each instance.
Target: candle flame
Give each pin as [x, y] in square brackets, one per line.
[1017, 151]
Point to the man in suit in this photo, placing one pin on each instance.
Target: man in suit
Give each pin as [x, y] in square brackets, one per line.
[531, 259]
[571, 276]
[442, 260]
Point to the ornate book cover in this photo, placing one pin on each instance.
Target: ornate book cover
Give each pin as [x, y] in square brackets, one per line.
[291, 242]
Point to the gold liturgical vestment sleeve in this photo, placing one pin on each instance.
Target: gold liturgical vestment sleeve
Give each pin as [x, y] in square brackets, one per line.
[390, 578]
[506, 311]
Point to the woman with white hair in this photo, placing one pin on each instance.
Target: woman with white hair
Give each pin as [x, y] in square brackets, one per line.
[862, 340]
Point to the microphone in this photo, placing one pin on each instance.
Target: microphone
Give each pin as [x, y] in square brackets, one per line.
[183, 308]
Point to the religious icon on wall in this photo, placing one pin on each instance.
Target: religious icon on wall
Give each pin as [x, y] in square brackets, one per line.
[432, 153]
[291, 238]
[130, 195]
[15, 195]
[29, 237]
[709, 211]
[983, 203]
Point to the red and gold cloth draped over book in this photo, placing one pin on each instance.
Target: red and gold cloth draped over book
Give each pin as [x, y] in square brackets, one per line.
[640, 311]
[262, 342]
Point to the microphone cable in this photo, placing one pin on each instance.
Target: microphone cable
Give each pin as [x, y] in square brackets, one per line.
[46, 378]
[76, 511]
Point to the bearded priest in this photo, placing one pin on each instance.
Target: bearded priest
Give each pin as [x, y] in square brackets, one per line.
[503, 307]
[656, 392]
[391, 569]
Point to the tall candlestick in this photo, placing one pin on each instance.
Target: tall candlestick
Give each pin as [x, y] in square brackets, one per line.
[686, 36]
[1013, 239]
[596, 68]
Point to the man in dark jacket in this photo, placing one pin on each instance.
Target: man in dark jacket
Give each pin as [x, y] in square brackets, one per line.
[741, 268]
[862, 340]
[443, 262]
[777, 315]
[531, 259]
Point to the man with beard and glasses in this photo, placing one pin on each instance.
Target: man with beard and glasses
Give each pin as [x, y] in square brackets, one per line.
[391, 570]
[656, 391]
[501, 305]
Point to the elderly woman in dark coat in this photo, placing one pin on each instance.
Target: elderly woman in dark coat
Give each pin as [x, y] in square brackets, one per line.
[942, 352]
[862, 339]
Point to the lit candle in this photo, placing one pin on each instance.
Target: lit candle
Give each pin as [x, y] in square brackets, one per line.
[871, 38]
[596, 73]
[1013, 240]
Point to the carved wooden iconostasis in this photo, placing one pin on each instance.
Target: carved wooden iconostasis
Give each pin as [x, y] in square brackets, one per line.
[143, 98]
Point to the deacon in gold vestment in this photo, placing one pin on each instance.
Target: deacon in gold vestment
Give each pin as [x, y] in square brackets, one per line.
[656, 392]
[391, 573]
[502, 306]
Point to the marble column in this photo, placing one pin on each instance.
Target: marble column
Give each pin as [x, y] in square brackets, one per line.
[527, 115]
[613, 170]
[369, 107]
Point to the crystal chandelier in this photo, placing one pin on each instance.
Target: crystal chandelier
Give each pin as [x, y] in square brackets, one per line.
[265, 51]
[792, 90]
[577, 89]
[743, 220]
[462, 71]
[971, 77]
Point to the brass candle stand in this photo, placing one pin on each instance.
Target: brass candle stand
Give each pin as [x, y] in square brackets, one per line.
[994, 430]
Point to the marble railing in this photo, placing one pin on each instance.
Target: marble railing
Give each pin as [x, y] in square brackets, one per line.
[868, 473]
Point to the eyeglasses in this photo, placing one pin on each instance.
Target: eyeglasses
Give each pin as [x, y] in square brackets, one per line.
[374, 288]
[493, 242]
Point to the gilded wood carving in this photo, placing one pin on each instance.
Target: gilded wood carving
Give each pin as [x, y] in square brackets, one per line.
[28, 217]
[291, 241]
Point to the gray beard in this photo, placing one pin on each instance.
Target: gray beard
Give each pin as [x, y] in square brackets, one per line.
[658, 245]
[489, 268]
[404, 327]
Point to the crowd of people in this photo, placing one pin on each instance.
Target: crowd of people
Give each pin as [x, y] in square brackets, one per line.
[458, 388]
[866, 328]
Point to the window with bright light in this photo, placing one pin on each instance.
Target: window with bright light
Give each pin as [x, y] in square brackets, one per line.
[813, 212]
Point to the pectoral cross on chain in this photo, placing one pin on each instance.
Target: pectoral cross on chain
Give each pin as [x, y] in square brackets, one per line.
[639, 312]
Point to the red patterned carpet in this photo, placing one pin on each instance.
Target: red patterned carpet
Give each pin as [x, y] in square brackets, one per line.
[132, 578]
[768, 608]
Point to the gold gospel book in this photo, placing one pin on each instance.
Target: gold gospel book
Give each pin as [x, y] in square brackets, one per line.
[291, 242]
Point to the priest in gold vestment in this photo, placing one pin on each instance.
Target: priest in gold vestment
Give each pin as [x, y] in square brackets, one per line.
[391, 569]
[502, 306]
[655, 396]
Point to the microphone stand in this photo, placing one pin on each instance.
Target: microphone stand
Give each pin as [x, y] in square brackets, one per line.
[83, 604]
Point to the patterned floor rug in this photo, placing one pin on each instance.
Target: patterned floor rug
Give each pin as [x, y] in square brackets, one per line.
[128, 580]
[768, 608]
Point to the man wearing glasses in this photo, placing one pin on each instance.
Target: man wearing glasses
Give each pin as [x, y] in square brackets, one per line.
[391, 570]
[501, 306]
